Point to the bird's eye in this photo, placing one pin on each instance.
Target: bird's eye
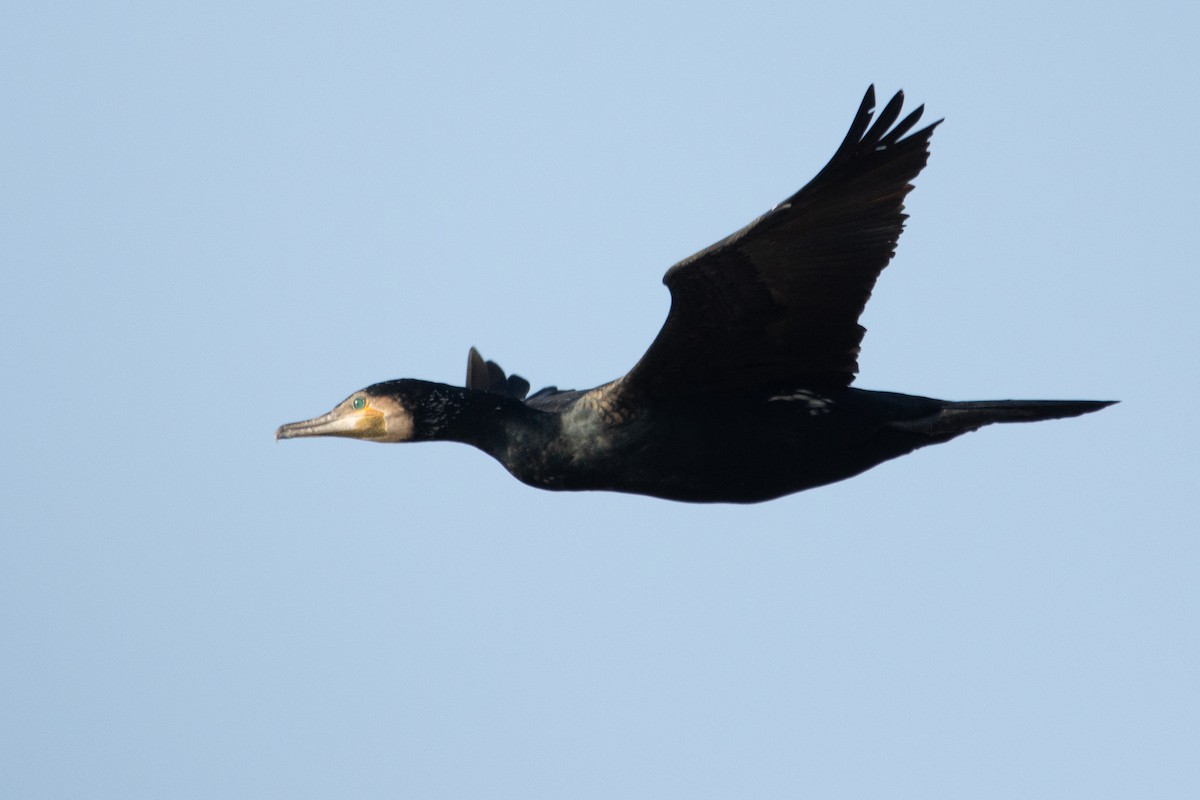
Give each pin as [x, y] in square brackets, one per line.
[359, 403]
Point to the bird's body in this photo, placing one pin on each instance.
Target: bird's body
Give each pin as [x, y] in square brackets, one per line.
[744, 395]
[734, 449]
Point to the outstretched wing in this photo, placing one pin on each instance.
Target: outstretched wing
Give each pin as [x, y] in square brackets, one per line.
[777, 303]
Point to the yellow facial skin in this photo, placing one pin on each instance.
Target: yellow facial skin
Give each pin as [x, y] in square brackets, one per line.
[359, 416]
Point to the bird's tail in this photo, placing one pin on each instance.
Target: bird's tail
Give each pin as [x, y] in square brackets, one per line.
[957, 418]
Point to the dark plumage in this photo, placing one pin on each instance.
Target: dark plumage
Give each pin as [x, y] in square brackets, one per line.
[745, 394]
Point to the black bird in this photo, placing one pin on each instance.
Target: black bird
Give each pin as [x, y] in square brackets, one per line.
[745, 394]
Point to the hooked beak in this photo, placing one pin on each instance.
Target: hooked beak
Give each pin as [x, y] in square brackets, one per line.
[366, 423]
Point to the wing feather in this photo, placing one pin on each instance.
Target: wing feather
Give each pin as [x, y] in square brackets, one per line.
[778, 302]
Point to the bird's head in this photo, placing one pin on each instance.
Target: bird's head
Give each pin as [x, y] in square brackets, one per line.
[384, 412]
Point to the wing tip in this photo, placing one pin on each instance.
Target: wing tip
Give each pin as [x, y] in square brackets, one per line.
[488, 376]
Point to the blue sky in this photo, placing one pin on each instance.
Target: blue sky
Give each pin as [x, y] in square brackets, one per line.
[221, 217]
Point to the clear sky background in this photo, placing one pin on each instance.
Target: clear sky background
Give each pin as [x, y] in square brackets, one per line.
[218, 217]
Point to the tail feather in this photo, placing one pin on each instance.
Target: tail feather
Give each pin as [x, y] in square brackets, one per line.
[956, 418]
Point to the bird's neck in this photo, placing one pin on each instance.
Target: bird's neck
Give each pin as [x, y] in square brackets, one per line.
[488, 421]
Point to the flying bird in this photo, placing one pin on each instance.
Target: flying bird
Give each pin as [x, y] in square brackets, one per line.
[745, 393]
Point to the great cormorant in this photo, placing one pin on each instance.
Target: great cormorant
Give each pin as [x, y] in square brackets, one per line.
[745, 394]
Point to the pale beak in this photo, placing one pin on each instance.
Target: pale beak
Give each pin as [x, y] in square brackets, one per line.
[339, 422]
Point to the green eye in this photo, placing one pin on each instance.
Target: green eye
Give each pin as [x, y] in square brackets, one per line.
[359, 403]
